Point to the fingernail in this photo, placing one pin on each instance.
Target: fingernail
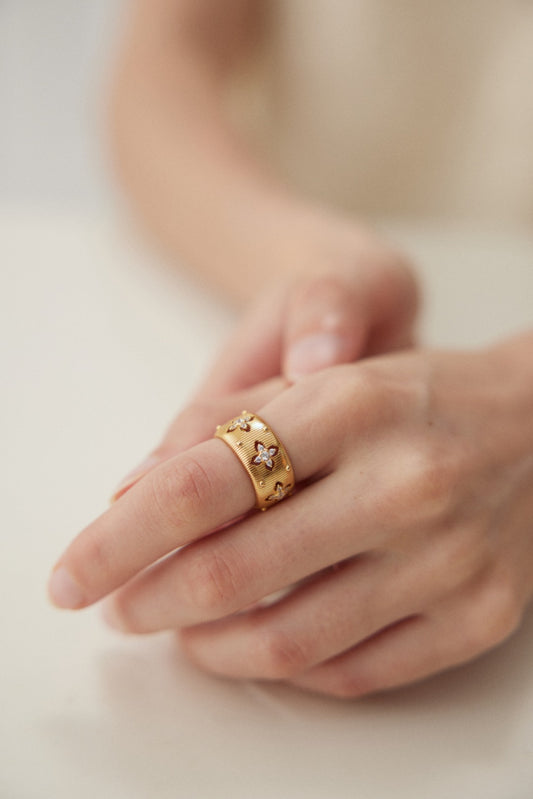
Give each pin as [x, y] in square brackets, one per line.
[64, 590]
[313, 353]
[134, 475]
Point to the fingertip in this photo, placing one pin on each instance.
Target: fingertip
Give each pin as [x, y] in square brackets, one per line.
[64, 591]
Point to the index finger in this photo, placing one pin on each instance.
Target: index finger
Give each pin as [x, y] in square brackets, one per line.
[183, 499]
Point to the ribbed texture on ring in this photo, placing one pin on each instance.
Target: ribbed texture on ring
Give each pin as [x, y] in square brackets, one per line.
[252, 440]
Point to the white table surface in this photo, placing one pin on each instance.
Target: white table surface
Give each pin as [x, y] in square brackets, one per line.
[99, 348]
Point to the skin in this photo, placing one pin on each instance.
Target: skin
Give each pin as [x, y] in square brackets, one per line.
[191, 175]
[408, 546]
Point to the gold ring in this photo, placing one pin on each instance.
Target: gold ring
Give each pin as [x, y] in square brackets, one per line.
[263, 456]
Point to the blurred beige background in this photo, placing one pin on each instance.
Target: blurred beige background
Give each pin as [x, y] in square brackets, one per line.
[384, 108]
[53, 59]
[405, 108]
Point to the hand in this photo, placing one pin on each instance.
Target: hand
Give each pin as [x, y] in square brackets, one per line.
[358, 299]
[407, 549]
[348, 297]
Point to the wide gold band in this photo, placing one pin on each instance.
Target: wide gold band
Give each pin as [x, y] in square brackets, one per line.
[263, 456]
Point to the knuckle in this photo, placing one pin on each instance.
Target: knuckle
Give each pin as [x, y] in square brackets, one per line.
[212, 583]
[363, 394]
[339, 393]
[462, 554]
[352, 684]
[498, 612]
[435, 482]
[179, 490]
[278, 655]
[193, 484]
[433, 477]
[358, 383]
[346, 400]
[505, 610]
[377, 397]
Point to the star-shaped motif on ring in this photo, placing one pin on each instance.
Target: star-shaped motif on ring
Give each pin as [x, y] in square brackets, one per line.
[264, 455]
[280, 492]
[242, 422]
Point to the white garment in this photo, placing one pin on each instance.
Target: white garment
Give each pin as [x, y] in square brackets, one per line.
[405, 106]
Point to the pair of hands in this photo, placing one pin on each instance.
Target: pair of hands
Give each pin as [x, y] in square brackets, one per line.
[407, 547]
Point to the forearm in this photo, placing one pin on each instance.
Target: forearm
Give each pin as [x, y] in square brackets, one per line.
[191, 177]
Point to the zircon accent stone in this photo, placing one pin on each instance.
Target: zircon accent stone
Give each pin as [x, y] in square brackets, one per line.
[280, 492]
[264, 455]
[242, 422]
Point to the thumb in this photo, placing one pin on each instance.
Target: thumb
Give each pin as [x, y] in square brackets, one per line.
[342, 316]
[326, 324]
